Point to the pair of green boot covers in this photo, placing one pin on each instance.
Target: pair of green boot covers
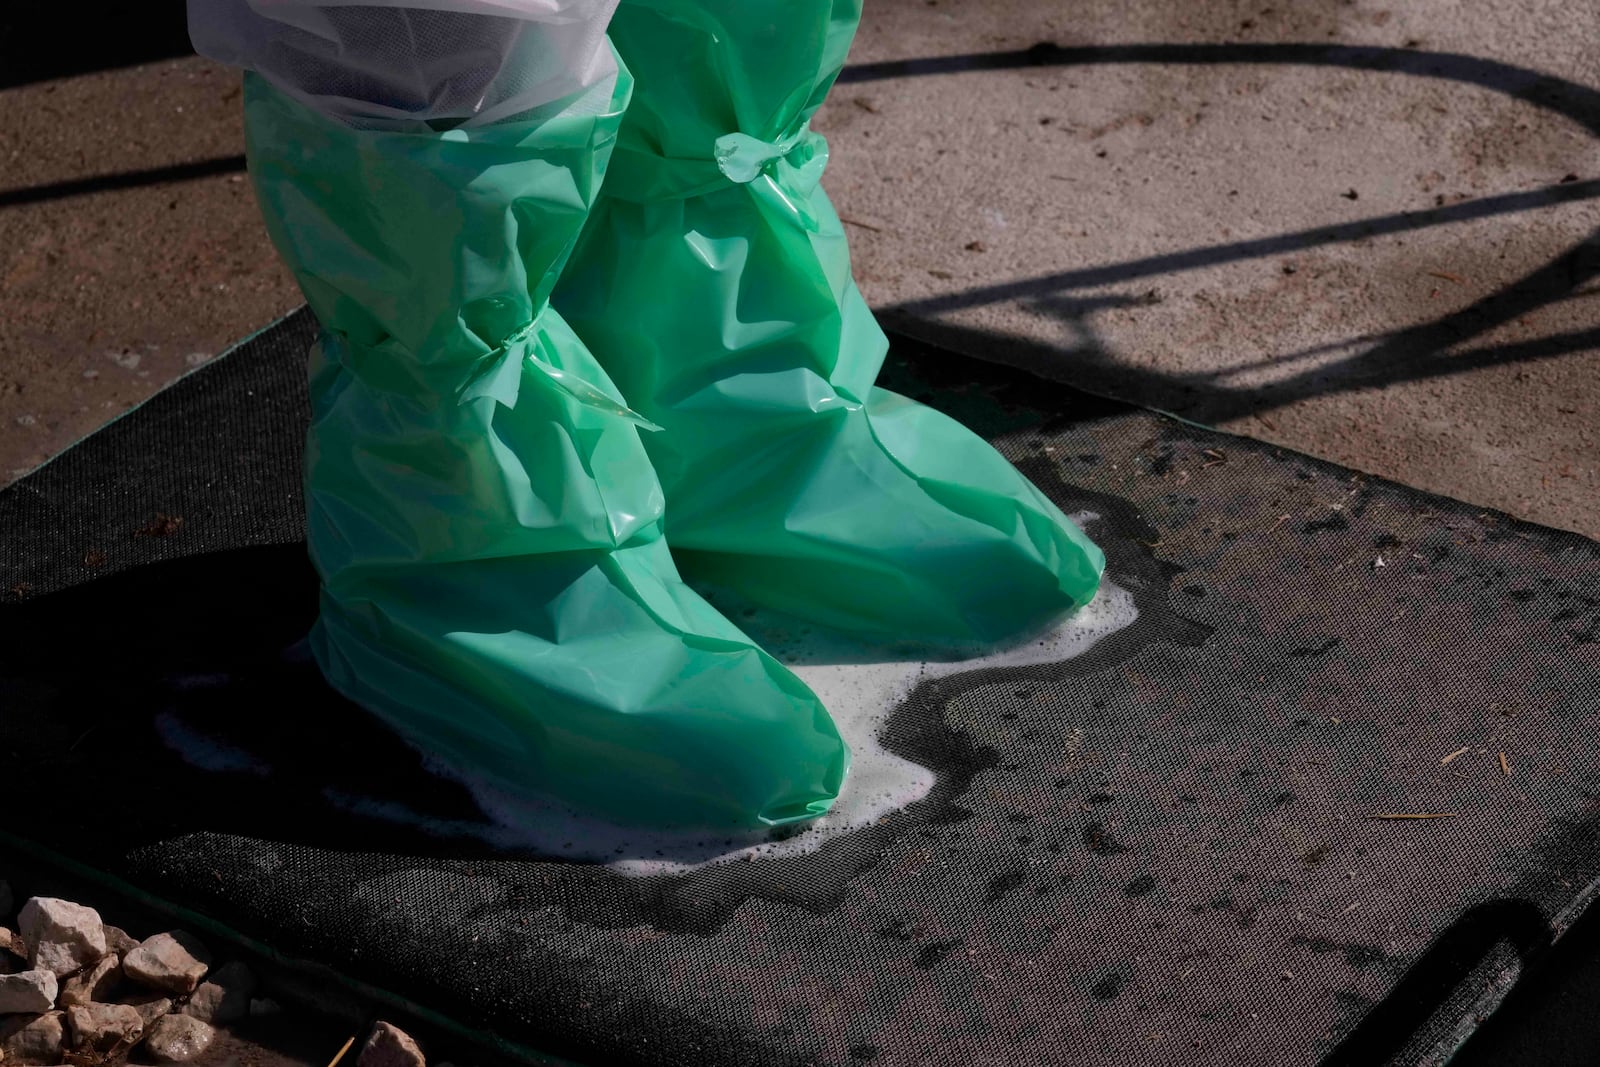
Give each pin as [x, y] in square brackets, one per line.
[553, 345]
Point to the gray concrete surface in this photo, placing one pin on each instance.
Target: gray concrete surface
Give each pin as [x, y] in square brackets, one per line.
[1360, 229]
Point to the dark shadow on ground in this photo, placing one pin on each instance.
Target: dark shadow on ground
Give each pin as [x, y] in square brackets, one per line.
[1430, 350]
[1580, 103]
[42, 41]
[1434, 349]
[1548, 1019]
[212, 687]
[132, 179]
[1468, 944]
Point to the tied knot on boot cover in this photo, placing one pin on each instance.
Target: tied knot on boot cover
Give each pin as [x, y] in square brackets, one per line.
[793, 162]
[498, 376]
[742, 158]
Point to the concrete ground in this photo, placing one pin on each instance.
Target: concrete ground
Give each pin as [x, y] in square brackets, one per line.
[1358, 228]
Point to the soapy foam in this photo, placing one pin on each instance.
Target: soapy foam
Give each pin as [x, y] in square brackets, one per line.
[861, 685]
[861, 689]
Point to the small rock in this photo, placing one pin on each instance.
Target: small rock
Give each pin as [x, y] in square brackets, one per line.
[38, 1040]
[104, 1027]
[390, 1046]
[173, 962]
[99, 982]
[223, 997]
[61, 936]
[178, 1038]
[29, 992]
[118, 941]
[150, 1006]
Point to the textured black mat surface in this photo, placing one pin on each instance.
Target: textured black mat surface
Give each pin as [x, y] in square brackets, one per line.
[1161, 852]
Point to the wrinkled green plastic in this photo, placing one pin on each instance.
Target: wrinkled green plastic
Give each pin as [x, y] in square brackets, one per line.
[485, 520]
[713, 283]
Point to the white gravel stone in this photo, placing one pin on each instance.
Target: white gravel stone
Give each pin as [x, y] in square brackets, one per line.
[36, 1040]
[61, 936]
[29, 992]
[172, 962]
[390, 1046]
[104, 1027]
[224, 996]
[178, 1038]
[94, 983]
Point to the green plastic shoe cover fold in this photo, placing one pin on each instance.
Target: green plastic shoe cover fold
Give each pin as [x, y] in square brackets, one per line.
[486, 522]
[713, 283]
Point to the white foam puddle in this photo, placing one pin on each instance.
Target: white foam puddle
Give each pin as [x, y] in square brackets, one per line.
[861, 689]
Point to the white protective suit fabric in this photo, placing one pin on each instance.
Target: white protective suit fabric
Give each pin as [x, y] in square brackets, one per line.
[384, 63]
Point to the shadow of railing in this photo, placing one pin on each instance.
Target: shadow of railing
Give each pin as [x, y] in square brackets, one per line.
[1428, 350]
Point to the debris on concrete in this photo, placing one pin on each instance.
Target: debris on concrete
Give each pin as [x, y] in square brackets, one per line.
[173, 962]
[178, 1038]
[96, 983]
[223, 997]
[104, 1028]
[28, 992]
[390, 1046]
[61, 936]
[26, 1040]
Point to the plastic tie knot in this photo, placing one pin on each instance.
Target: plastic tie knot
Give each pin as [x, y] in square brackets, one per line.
[743, 159]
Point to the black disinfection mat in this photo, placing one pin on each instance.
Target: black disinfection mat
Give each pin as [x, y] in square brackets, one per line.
[1166, 851]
